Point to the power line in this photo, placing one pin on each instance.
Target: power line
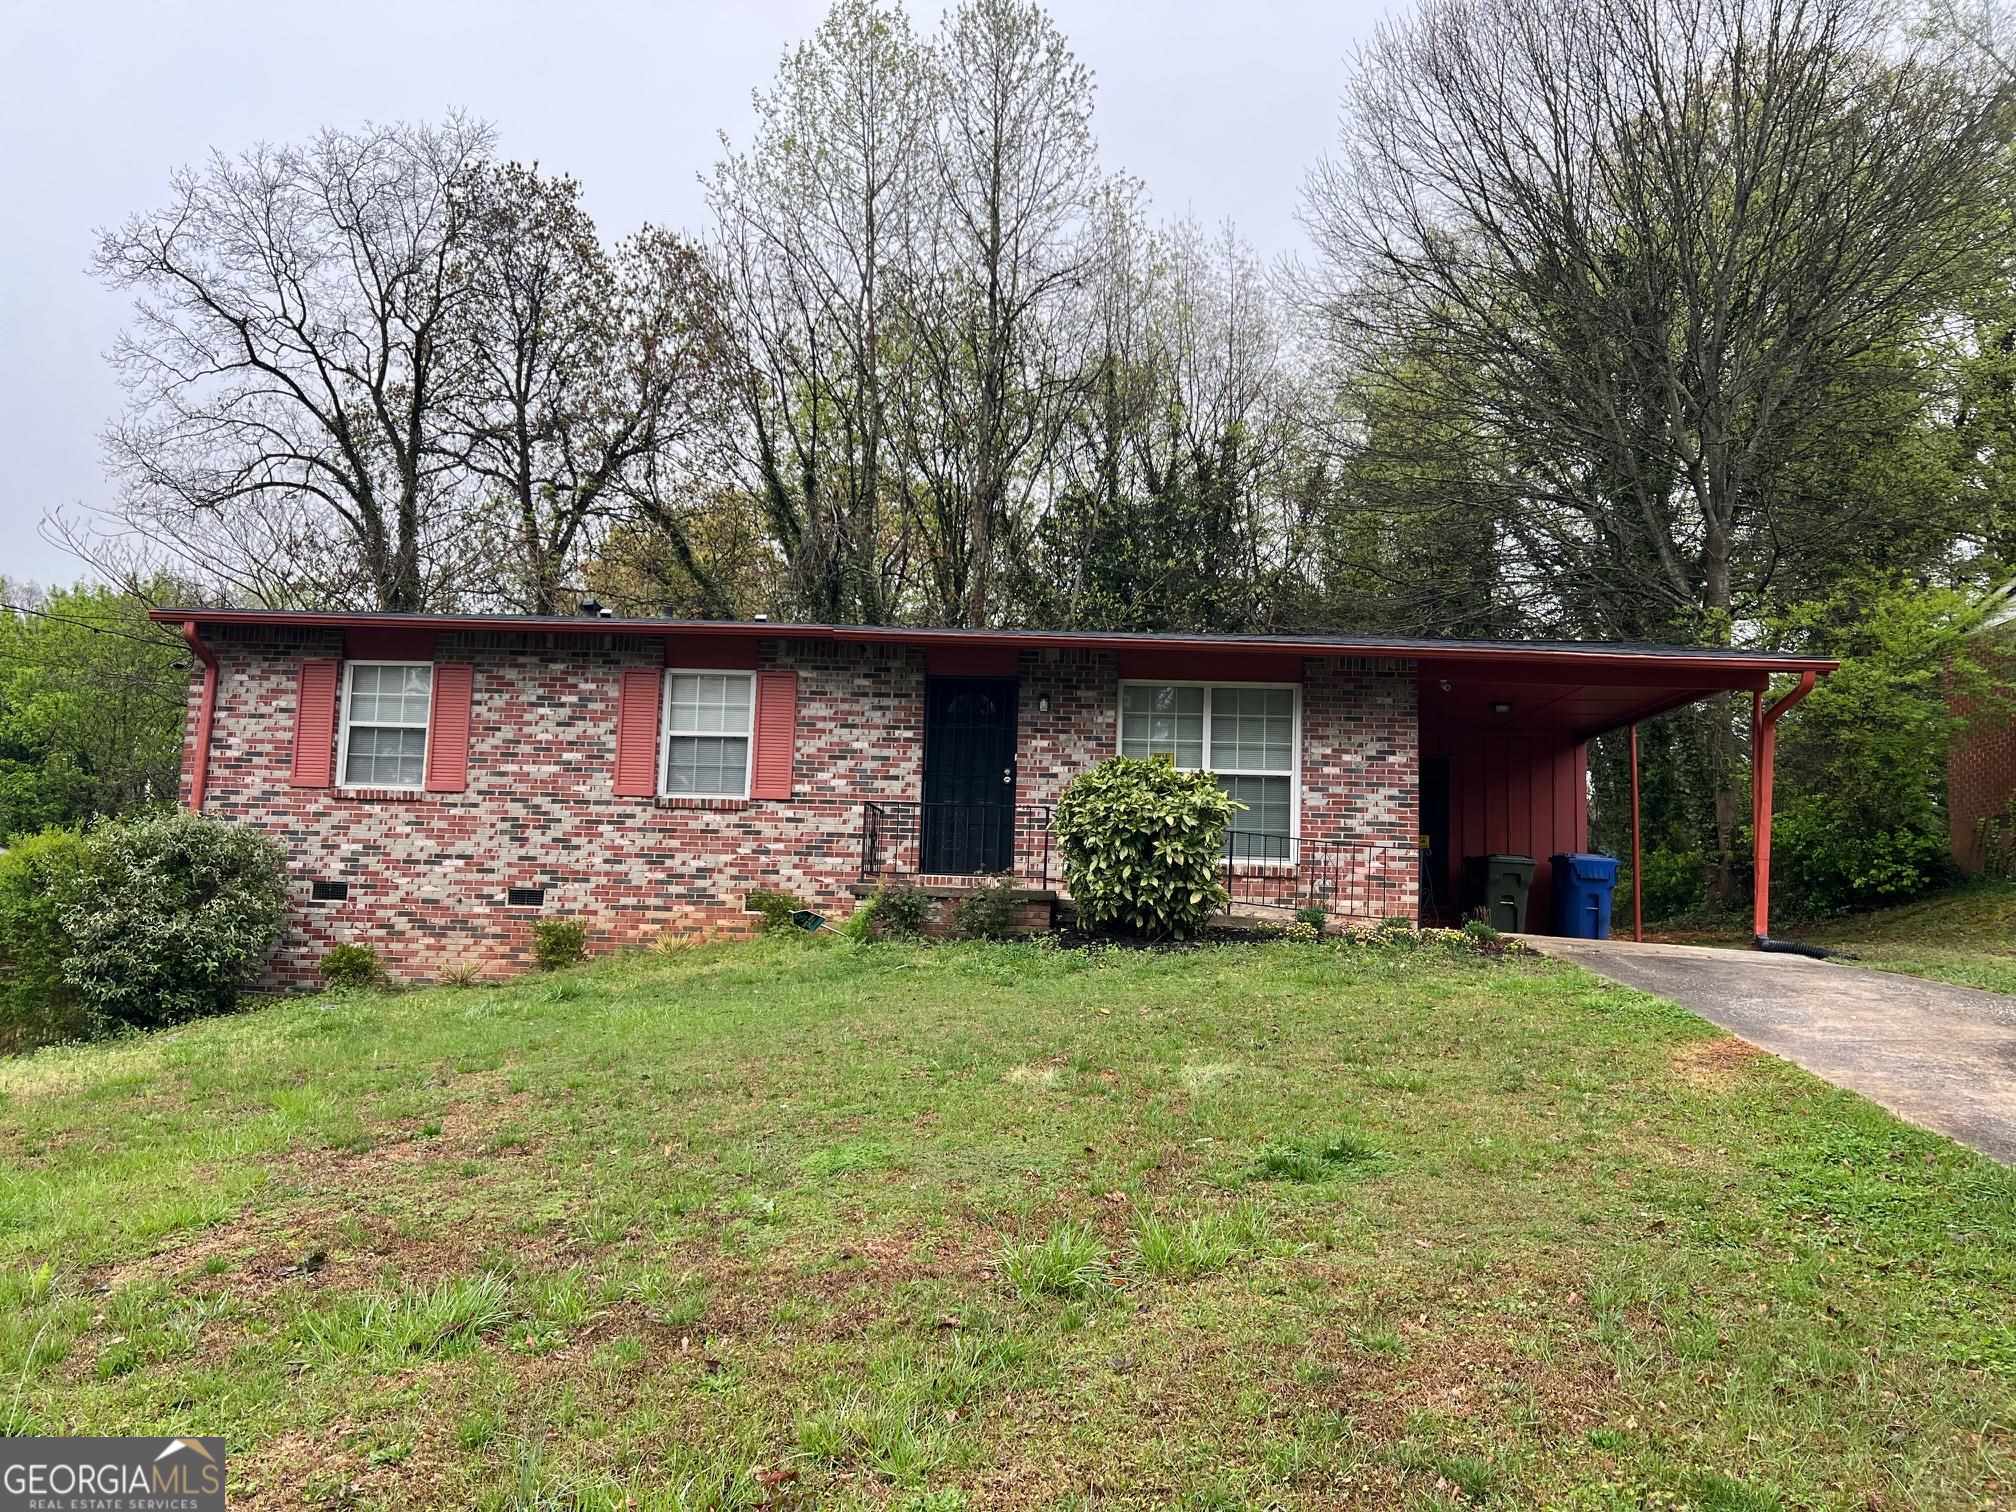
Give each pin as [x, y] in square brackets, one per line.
[160, 640]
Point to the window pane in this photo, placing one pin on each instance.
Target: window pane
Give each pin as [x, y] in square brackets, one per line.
[1252, 729]
[390, 695]
[1265, 829]
[1162, 721]
[417, 683]
[364, 694]
[705, 702]
[382, 756]
[706, 764]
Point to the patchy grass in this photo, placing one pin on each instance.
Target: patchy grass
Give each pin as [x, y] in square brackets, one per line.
[1966, 935]
[798, 1223]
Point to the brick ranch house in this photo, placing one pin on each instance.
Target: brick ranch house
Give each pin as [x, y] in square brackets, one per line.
[440, 782]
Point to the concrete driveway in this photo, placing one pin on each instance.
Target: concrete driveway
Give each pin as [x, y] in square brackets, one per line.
[1942, 1057]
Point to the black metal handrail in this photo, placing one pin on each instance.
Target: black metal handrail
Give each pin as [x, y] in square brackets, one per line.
[1347, 878]
[1262, 869]
[905, 839]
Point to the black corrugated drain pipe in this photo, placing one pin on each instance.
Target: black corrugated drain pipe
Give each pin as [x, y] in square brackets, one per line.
[1794, 947]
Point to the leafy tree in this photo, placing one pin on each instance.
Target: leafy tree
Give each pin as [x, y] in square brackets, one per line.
[1653, 254]
[1011, 173]
[589, 376]
[38, 873]
[91, 698]
[1183, 492]
[807, 244]
[1863, 816]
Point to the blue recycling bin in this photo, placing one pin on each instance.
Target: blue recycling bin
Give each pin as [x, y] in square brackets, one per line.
[1582, 887]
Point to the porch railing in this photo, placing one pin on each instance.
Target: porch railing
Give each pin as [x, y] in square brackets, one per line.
[1345, 878]
[956, 840]
[1361, 879]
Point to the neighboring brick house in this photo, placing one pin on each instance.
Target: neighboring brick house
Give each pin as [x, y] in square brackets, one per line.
[439, 783]
[1981, 764]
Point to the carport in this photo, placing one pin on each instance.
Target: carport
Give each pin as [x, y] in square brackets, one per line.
[1505, 750]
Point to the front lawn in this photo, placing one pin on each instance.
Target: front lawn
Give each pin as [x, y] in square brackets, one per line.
[799, 1223]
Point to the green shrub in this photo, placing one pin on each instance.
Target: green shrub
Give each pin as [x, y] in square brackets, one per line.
[902, 911]
[171, 915]
[559, 942]
[992, 911]
[37, 1002]
[351, 966]
[1827, 860]
[1315, 915]
[775, 906]
[1676, 883]
[1861, 815]
[1142, 843]
[860, 924]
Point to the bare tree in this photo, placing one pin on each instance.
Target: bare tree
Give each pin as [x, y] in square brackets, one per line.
[808, 226]
[586, 373]
[289, 357]
[1644, 249]
[1013, 176]
[1176, 498]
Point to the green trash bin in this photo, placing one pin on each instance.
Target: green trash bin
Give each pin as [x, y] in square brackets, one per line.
[1498, 885]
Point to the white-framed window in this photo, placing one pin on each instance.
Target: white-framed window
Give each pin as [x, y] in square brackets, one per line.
[708, 731]
[383, 742]
[1248, 735]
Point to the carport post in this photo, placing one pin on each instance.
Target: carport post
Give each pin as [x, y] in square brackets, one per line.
[1637, 858]
[1763, 753]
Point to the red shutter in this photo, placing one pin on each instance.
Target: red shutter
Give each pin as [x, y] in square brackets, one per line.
[637, 733]
[315, 723]
[776, 734]
[448, 728]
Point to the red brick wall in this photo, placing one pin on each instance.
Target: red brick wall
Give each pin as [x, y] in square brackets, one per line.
[1981, 772]
[428, 871]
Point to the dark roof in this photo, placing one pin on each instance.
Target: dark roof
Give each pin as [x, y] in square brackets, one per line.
[1304, 642]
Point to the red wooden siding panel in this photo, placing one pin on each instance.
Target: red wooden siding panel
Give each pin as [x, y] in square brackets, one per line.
[637, 733]
[1517, 794]
[448, 728]
[971, 661]
[367, 643]
[315, 692]
[702, 651]
[1148, 665]
[776, 734]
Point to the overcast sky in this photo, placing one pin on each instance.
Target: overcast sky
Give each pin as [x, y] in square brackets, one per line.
[1219, 105]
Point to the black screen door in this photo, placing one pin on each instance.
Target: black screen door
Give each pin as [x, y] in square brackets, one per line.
[1435, 825]
[969, 775]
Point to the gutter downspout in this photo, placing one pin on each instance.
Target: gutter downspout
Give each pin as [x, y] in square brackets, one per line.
[199, 776]
[1764, 754]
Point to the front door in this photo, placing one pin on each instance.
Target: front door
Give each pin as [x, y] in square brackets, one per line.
[969, 775]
